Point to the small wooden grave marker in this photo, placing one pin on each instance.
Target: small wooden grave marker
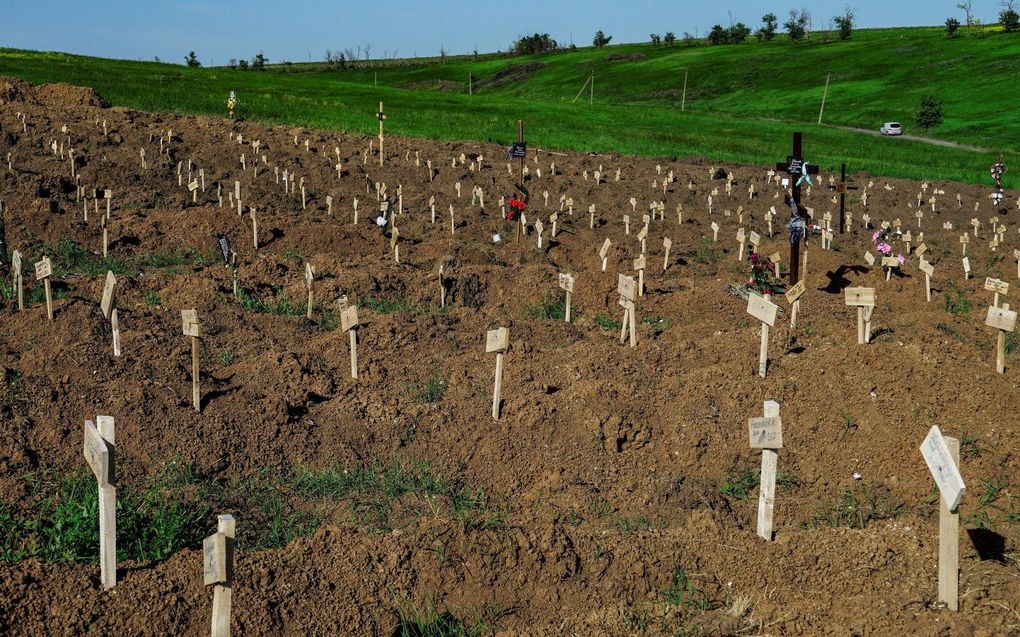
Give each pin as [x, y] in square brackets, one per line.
[254, 228]
[309, 277]
[604, 253]
[929, 271]
[667, 243]
[189, 320]
[793, 298]
[740, 243]
[442, 287]
[567, 285]
[640, 264]
[864, 300]
[889, 263]
[1016, 255]
[44, 270]
[395, 243]
[100, 454]
[1004, 320]
[349, 323]
[998, 287]
[942, 455]
[767, 434]
[765, 311]
[627, 287]
[497, 340]
[218, 571]
[109, 290]
[19, 278]
[715, 231]
[966, 268]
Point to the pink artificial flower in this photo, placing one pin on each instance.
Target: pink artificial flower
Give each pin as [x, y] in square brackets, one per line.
[884, 248]
[874, 237]
[902, 259]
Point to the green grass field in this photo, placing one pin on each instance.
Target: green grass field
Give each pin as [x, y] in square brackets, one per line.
[743, 101]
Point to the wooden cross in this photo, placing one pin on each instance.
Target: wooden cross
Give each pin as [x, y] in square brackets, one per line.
[864, 300]
[218, 571]
[793, 298]
[627, 287]
[349, 323]
[942, 455]
[99, 451]
[767, 434]
[189, 320]
[497, 340]
[929, 271]
[19, 277]
[44, 270]
[520, 151]
[1004, 320]
[762, 308]
[998, 287]
[110, 312]
[799, 171]
[841, 188]
[567, 285]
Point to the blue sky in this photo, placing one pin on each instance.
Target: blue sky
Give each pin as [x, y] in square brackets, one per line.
[296, 29]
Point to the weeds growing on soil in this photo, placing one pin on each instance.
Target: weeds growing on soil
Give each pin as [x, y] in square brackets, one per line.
[62, 520]
[431, 391]
[739, 482]
[607, 323]
[956, 302]
[390, 305]
[858, 507]
[551, 309]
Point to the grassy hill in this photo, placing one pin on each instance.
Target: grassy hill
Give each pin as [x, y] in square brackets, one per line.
[743, 101]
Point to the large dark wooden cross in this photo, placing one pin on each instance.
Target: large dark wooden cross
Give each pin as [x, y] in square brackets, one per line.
[841, 189]
[799, 171]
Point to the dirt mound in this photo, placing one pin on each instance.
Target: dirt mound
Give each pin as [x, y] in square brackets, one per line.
[65, 96]
[510, 74]
[14, 90]
[625, 57]
[443, 86]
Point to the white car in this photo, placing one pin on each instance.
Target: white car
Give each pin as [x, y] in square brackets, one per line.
[891, 128]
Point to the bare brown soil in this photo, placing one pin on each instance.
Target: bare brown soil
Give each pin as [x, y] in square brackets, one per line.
[610, 460]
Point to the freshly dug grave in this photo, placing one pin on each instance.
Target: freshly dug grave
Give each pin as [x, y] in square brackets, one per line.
[615, 495]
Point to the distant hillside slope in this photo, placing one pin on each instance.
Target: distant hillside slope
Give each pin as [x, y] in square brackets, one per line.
[742, 103]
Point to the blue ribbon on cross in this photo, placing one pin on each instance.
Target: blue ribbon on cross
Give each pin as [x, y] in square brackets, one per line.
[804, 176]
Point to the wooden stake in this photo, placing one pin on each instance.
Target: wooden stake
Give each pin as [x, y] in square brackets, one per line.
[43, 270]
[18, 279]
[349, 323]
[762, 308]
[942, 455]
[1003, 320]
[99, 450]
[497, 341]
[189, 320]
[567, 285]
[949, 541]
[309, 276]
[115, 327]
[864, 300]
[218, 570]
[767, 434]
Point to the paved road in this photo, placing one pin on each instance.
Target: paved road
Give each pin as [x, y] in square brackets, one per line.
[923, 140]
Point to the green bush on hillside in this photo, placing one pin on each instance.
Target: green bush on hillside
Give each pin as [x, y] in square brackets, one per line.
[930, 113]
